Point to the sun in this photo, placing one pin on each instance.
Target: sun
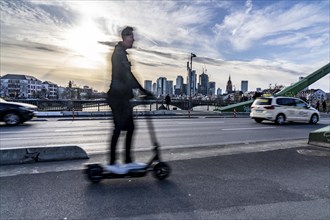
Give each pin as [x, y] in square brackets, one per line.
[83, 42]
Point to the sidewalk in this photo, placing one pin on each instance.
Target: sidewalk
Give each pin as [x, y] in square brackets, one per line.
[169, 155]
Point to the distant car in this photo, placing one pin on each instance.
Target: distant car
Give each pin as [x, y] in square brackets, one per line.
[13, 113]
[283, 109]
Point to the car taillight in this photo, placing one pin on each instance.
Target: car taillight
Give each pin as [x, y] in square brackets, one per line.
[271, 107]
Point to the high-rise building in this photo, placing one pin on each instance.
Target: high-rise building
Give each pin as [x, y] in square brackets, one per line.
[211, 88]
[161, 86]
[219, 92]
[244, 85]
[148, 85]
[229, 87]
[179, 86]
[154, 88]
[203, 84]
[191, 82]
[169, 88]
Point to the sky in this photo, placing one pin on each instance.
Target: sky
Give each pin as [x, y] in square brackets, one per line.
[267, 42]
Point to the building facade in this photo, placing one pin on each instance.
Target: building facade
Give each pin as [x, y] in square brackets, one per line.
[169, 88]
[179, 86]
[203, 84]
[244, 86]
[20, 86]
[49, 90]
[191, 83]
[148, 85]
[211, 88]
[161, 86]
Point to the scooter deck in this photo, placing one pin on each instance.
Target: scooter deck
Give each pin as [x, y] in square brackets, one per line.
[99, 170]
[95, 172]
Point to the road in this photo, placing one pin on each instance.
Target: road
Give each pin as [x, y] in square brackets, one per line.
[93, 135]
[280, 184]
[206, 183]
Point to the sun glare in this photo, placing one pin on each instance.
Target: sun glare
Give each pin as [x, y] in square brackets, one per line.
[83, 42]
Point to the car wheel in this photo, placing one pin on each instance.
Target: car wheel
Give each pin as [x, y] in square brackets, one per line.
[258, 120]
[280, 119]
[12, 118]
[314, 119]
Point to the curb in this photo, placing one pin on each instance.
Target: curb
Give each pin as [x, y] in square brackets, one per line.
[42, 154]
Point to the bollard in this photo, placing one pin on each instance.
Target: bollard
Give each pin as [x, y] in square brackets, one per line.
[234, 113]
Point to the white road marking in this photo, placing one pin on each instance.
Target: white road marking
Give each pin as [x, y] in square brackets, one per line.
[239, 129]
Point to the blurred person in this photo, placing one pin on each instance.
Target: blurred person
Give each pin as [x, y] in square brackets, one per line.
[119, 96]
[168, 101]
[324, 106]
[318, 105]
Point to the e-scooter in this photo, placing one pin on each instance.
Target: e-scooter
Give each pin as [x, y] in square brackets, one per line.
[161, 170]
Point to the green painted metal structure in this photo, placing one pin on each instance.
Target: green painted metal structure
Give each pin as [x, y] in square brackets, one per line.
[288, 91]
[320, 137]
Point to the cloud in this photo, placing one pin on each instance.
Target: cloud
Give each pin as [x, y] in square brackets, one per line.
[244, 28]
[261, 41]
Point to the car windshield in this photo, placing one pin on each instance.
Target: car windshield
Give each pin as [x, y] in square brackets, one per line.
[263, 101]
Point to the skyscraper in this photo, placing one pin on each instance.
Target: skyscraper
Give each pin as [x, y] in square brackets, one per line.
[161, 86]
[203, 85]
[211, 88]
[154, 88]
[148, 85]
[191, 83]
[169, 88]
[179, 85]
[244, 85]
[219, 92]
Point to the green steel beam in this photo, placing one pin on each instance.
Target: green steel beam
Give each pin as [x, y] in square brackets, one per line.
[310, 79]
[288, 91]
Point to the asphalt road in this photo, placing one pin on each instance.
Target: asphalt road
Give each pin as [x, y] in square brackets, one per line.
[260, 180]
[280, 184]
[94, 135]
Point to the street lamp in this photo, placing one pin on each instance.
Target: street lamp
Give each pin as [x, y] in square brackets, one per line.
[190, 79]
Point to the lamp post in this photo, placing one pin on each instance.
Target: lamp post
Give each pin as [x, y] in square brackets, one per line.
[190, 80]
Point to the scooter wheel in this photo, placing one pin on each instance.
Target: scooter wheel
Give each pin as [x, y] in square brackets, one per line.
[94, 173]
[161, 170]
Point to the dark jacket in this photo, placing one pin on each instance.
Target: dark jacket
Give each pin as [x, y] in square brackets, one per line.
[123, 80]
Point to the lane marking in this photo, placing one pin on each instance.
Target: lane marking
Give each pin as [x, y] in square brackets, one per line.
[239, 129]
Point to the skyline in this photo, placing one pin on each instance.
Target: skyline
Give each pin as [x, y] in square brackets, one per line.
[264, 42]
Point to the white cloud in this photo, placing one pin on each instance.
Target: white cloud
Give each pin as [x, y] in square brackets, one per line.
[245, 28]
[272, 42]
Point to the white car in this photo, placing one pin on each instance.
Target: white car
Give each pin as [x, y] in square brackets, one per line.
[282, 109]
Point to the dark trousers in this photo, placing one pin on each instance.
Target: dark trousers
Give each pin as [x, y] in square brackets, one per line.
[122, 113]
